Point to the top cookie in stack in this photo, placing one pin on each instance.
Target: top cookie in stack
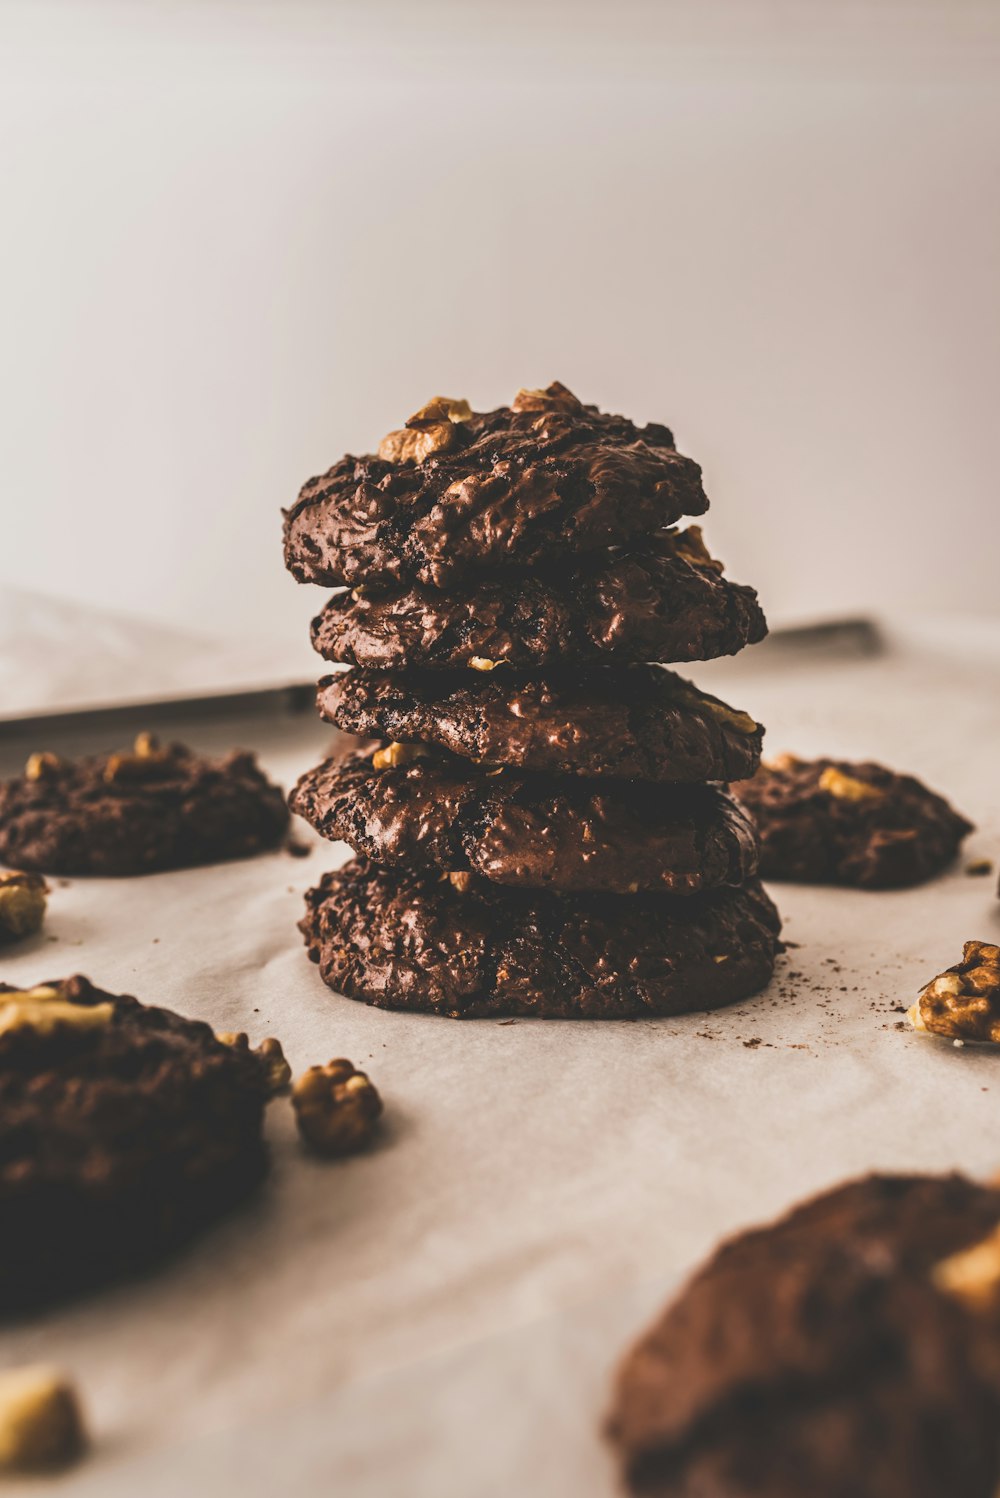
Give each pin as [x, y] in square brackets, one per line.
[542, 818]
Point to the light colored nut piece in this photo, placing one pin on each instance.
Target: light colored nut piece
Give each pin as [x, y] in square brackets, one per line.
[963, 1003]
[847, 787]
[441, 408]
[720, 711]
[41, 765]
[417, 444]
[44, 1010]
[483, 663]
[461, 879]
[22, 905]
[394, 755]
[147, 746]
[973, 1275]
[336, 1108]
[554, 397]
[277, 1071]
[145, 759]
[690, 544]
[782, 763]
[735, 717]
[40, 1420]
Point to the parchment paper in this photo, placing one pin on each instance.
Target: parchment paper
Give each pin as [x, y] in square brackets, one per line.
[440, 1317]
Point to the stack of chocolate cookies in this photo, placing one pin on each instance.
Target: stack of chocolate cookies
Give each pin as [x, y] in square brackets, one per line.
[539, 813]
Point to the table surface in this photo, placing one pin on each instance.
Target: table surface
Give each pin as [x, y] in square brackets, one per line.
[440, 1317]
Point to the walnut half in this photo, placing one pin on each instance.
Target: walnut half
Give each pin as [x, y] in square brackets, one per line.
[963, 1003]
[336, 1108]
[429, 430]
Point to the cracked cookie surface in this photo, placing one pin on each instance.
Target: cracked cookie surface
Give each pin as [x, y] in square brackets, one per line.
[529, 483]
[666, 602]
[441, 812]
[630, 722]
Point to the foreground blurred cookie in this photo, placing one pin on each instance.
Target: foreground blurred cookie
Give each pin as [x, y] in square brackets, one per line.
[133, 813]
[826, 821]
[410, 805]
[458, 491]
[466, 948]
[123, 1130]
[665, 602]
[851, 1350]
[633, 722]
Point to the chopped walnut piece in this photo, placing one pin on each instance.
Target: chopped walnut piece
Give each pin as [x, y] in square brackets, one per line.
[277, 1072]
[973, 1275]
[690, 544]
[336, 1108]
[461, 879]
[782, 762]
[441, 408]
[146, 746]
[40, 1421]
[554, 397]
[41, 765]
[394, 755]
[483, 663]
[43, 1009]
[414, 445]
[276, 1068]
[963, 1003]
[430, 430]
[22, 905]
[847, 787]
[146, 758]
[720, 711]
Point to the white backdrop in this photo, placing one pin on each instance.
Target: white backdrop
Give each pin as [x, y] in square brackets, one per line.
[242, 238]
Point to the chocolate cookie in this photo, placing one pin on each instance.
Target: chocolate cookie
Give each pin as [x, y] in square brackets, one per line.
[667, 603]
[632, 722]
[123, 1130]
[824, 1356]
[827, 821]
[154, 808]
[466, 948]
[405, 804]
[458, 491]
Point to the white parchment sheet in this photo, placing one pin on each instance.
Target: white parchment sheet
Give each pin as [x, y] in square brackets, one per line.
[439, 1317]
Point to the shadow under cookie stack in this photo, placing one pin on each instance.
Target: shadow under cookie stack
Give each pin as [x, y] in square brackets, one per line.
[539, 812]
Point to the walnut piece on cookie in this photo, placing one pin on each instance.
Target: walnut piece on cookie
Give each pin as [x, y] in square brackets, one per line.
[23, 899]
[276, 1070]
[41, 1425]
[963, 1002]
[336, 1108]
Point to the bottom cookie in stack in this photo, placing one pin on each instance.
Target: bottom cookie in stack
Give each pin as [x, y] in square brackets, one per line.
[464, 947]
